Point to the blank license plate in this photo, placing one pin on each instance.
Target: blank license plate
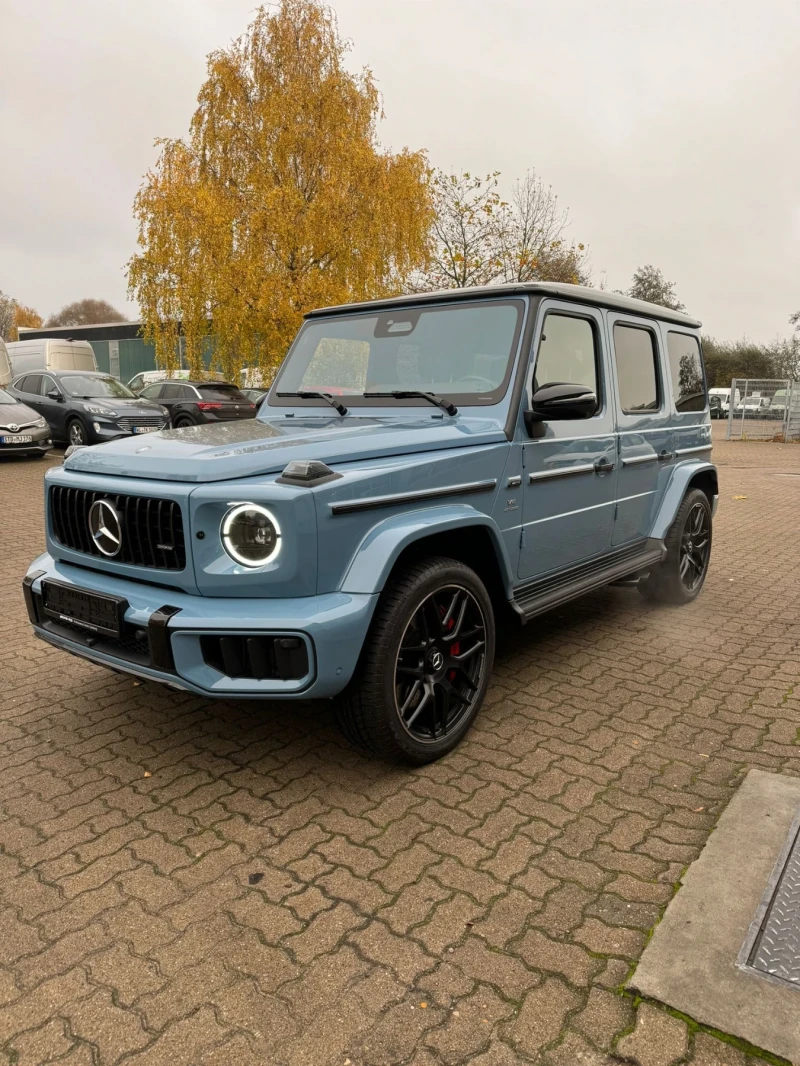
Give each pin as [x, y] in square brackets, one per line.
[145, 429]
[87, 610]
[18, 438]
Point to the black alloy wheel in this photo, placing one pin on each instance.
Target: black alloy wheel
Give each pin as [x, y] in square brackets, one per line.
[680, 577]
[695, 546]
[425, 664]
[440, 664]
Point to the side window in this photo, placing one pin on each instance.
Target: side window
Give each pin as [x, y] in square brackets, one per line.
[172, 392]
[46, 385]
[567, 353]
[186, 392]
[686, 370]
[30, 384]
[151, 392]
[637, 373]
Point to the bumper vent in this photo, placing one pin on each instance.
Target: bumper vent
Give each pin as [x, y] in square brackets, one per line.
[152, 529]
[257, 658]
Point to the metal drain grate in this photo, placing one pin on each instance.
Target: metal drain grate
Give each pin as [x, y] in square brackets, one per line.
[772, 948]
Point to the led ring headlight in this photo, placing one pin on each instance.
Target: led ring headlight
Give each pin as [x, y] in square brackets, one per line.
[251, 535]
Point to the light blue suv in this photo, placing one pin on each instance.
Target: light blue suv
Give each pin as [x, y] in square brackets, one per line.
[419, 466]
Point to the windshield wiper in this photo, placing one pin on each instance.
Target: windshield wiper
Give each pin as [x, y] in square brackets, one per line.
[412, 394]
[314, 395]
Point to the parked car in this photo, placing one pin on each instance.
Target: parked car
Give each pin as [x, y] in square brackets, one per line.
[48, 354]
[22, 430]
[490, 450]
[191, 403]
[256, 396]
[752, 407]
[87, 407]
[147, 377]
[778, 403]
[5, 365]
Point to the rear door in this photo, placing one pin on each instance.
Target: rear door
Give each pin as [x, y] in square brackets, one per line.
[644, 421]
[55, 411]
[569, 473]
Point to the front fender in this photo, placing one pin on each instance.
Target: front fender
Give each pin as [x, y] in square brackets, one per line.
[682, 477]
[381, 547]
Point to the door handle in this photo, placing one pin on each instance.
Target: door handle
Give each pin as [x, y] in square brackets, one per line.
[664, 456]
[603, 465]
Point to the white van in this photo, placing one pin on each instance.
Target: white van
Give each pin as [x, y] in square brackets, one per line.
[5, 364]
[725, 398]
[48, 354]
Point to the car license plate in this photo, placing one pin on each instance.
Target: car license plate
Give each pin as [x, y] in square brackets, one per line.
[87, 610]
[145, 429]
[17, 438]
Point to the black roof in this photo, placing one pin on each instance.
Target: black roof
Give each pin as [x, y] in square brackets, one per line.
[582, 293]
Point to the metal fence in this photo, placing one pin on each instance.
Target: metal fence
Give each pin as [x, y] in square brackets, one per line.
[762, 409]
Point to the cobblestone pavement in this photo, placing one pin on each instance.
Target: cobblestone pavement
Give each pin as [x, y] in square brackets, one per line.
[227, 884]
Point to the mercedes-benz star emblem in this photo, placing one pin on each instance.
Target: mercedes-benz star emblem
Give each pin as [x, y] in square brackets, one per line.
[105, 527]
[437, 660]
[13, 427]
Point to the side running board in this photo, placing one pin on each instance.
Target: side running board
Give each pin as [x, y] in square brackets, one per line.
[547, 592]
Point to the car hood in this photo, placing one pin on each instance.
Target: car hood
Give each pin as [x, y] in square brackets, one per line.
[221, 451]
[17, 413]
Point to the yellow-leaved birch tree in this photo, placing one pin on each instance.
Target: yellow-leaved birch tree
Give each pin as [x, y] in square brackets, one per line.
[279, 200]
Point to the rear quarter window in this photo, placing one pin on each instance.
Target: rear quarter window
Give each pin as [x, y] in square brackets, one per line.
[686, 371]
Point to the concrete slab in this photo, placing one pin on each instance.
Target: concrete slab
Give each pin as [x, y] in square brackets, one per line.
[690, 963]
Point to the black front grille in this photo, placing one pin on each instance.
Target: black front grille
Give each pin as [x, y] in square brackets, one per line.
[256, 657]
[152, 530]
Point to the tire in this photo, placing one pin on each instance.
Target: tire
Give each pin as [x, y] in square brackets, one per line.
[76, 432]
[182, 421]
[404, 704]
[677, 580]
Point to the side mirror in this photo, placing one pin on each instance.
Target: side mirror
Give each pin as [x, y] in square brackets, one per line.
[55, 394]
[560, 401]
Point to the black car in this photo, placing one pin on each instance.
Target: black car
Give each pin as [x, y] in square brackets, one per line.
[192, 403]
[22, 430]
[85, 407]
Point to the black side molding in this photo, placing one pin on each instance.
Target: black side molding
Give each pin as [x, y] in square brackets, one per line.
[158, 637]
[27, 592]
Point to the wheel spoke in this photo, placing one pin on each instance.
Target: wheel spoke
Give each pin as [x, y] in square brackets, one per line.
[412, 692]
[465, 679]
[685, 563]
[413, 671]
[456, 630]
[450, 612]
[423, 703]
[464, 655]
[431, 619]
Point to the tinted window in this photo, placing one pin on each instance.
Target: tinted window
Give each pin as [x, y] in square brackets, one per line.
[29, 384]
[228, 393]
[90, 387]
[686, 370]
[636, 369]
[567, 353]
[47, 385]
[171, 392]
[186, 392]
[151, 392]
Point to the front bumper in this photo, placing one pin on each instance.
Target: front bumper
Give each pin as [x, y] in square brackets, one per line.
[164, 627]
[42, 442]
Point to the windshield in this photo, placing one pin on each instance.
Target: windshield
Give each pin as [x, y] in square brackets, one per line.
[6, 397]
[462, 352]
[87, 388]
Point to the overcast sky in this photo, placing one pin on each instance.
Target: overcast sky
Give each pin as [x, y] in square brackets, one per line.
[669, 129]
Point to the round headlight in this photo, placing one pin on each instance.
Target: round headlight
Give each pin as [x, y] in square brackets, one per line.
[251, 534]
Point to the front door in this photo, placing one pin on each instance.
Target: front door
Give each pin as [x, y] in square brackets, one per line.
[55, 411]
[569, 474]
[645, 424]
